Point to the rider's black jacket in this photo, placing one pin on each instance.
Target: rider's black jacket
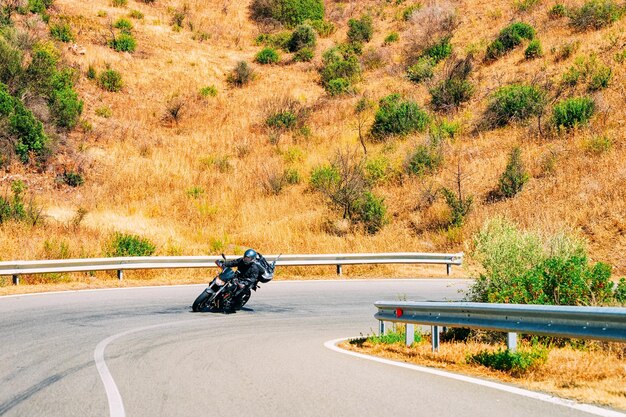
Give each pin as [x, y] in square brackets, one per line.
[248, 273]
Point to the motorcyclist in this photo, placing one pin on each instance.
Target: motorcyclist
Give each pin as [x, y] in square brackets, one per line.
[248, 272]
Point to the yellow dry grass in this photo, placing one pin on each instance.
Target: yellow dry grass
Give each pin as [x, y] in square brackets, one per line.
[595, 375]
[140, 168]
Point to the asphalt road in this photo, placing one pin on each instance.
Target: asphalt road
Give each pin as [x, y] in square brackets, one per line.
[269, 360]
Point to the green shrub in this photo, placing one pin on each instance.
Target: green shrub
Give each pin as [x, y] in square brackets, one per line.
[91, 72]
[620, 291]
[43, 66]
[325, 177]
[443, 130]
[110, 80]
[11, 62]
[596, 14]
[209, 91]
[422, 70]
[13, 208]
[322, 27]
[62, 32]
[425, 160]
[393, 337]
[73, 179]
[459, 206]
[600, 79]
[28, 131]
[598, 145]
[66, 107]
[439, 50]
[377, 170]
[303, 37]
[407, 12]
[517, 363]
[533, 50]
[135, 14]
[267, 56]
[573, 112]
[371, 212]
[124, 42]
[241, 75]
[396, 116]
[289, 12]
[510, 37]
[524, 5]
[7, 102]
[122, 245]
[124, 25]
[104, 112]
[451, 93]
[304, 55]
[338, 65]
[119, 3]
[391, 38]
[283, 120]
[557, 11]
[278, 40]
[360, 30]
[515, 102]
[514, 176]
[292, 176]
[338, 86]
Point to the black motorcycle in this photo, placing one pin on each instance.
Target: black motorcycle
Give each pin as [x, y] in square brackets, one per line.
[222, 288]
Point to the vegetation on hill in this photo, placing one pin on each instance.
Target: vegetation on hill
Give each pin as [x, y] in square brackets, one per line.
[308, 126]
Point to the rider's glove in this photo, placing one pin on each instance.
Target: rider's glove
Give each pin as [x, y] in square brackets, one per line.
[219, 263]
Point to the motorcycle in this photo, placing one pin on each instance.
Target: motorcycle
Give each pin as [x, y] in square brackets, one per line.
[223, 287]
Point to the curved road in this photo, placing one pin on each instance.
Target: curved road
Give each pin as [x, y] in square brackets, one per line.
[268, 360]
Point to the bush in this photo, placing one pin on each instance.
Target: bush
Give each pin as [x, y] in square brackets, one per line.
[533, 50]
[278, 40]
[322, 27]
[304, 55]
[122, 245]
[110, 80]
[396, 336]
[338, 65]
[377, 170]
[596, 14]
[620, 291]
[6, 101]
[459, 206]
[73, 179]
[514, 176]
[338, 86]
[124, 42]
[422, 70]
[119, 3]
[209, 91]
[360, 30]
[42, 67]
[573, 112]
[241, 75]
[396, 116]
[29, 132]
[516, 363]
[510, 37]
[283, 120]
[371, 212]
[136, 14]
[451, 93]
[600, 79]
[267, 56]
[391, 38]
[425, 160]
[62, 32]
[289, 12]
[124, 25]
[440, 50]
[515, 102]
[66, 107]
[11, 62]
[13, 208]
[303, 37]
[557, 11]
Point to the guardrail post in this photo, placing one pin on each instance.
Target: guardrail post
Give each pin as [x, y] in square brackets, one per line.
[16, 280]
[120, 274]
[448, 268]
[339, 269]
[435, 337]
[410, 334]
[511, 341]
[381, 328]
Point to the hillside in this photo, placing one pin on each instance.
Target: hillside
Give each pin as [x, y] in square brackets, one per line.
[200, 170]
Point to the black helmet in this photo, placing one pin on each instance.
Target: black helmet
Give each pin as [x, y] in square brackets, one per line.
[249, 256]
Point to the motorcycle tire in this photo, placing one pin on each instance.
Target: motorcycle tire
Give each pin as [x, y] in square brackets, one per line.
[201, 302]
[243, 298]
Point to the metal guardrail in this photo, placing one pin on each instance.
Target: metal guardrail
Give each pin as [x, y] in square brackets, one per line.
[601, 323]
[17, 268]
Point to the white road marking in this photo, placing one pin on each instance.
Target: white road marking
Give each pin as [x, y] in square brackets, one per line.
[116, 405]
[332, 345]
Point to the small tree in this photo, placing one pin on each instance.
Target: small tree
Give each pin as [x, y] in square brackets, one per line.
[459, 205]
[360, 30]
[514, 176]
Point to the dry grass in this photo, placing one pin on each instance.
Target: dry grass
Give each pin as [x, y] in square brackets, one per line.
[596, 374]
[139, 168]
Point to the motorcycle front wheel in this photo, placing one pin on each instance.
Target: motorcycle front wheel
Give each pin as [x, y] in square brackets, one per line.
[201, 302]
